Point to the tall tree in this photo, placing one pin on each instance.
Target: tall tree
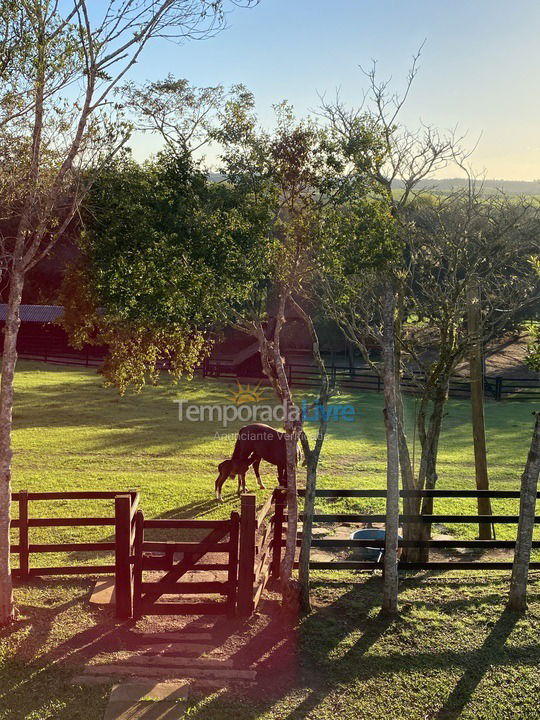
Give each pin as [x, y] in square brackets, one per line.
[402, 171]
[522, 553]
[60, 66]
[301, 171]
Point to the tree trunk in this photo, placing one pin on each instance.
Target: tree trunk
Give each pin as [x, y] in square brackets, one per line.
[390, 588]
[411, 505]
[307, 530]
[9, 360]
[527, 506]
[289, 588]
[428, 462]
[477, 406]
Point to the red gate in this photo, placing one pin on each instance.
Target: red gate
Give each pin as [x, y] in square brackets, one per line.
[159, 558]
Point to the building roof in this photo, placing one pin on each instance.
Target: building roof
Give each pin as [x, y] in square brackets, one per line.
[35, 313]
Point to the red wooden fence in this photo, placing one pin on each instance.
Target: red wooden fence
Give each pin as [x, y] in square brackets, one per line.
[125, 506]
[252, 551]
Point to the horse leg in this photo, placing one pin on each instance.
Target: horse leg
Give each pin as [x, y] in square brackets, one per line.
[218, 486]
[256, 464]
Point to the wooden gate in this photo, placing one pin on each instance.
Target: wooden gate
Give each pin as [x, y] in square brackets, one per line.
[180, 575]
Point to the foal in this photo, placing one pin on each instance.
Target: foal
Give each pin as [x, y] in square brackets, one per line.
[254, 443]
[233, 467]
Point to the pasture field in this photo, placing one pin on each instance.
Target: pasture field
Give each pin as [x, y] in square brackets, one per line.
[453, 653]
[71, 433]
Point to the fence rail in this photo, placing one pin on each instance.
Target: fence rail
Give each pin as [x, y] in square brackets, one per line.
[300, 374]
[125, 506]
[341, 544]
[362, 378]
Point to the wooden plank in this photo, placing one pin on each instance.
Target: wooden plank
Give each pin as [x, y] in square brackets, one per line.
[416, 493]
[187, 588]
[138, 563]
[480, 544]
[246, 558]
[187, 524]
[203, 608]
[71, 547]
[72, 570]
[24, 550]
[364, 518]
[185, 547]
[185, 565]
[278, 532]
[122, 575]
[160, 563]
[72, 495]
[450, 565]
[263, 512]
[68, 522]
[232, 573]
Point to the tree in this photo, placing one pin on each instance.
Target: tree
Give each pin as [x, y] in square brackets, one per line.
[300, 171]
[59, 68]
[453, 242]
[402, 162]
[522, 553]
[426, 329]
[164, 253]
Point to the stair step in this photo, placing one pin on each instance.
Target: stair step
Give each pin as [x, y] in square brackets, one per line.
[185, 637]
[150, 691]
[166, 660]
[174, 672]
[175, 710]
[185, 649]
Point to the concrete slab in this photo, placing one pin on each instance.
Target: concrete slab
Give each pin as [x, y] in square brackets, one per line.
[150, 691]
[103, 593]
[163, 710]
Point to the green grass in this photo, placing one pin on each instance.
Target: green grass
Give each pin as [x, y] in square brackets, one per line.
[453, 653]
[72, 433]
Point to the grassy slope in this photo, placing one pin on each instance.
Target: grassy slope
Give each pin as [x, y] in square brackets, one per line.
[71, 433]
[452, 654]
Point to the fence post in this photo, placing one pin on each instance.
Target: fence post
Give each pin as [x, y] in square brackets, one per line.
[122, 560]
[498, 388]
[278, 534]
[24, 547]
[246, 556]
[232, 572]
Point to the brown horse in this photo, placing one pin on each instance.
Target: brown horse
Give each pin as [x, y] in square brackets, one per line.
[254, 443]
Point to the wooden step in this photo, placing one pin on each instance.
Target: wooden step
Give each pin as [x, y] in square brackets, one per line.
[191, 650]
[173, 672]
[181, 637]
[150, 691]
[166, 660]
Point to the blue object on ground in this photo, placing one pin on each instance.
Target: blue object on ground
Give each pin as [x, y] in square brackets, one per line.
[370, 554]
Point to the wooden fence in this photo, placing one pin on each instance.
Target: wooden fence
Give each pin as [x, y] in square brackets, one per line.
[125, 507]
[244, 548]
[361, 379]
[340, 544]
[160, 556]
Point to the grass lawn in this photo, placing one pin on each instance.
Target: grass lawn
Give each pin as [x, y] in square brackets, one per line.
[453, 653]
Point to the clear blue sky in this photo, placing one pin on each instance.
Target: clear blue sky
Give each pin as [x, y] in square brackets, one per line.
[480, 67]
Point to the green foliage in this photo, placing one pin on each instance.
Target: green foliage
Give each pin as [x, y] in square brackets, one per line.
[166, 255]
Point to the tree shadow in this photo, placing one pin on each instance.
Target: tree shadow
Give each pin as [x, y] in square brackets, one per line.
[492, 649]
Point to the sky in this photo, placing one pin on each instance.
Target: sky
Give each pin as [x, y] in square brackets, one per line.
[479, 69]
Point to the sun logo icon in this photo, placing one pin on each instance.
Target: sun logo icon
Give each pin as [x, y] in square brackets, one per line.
[247, 394]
